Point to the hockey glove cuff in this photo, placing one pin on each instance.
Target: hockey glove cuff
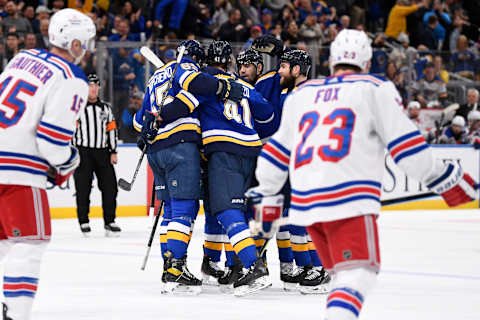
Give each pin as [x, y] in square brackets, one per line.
[58, 175]
[228, 89]
[268, 44]
[268, 216]
[455, 186]
[149, 129]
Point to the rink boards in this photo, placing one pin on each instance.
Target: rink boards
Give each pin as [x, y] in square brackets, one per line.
[397, 188]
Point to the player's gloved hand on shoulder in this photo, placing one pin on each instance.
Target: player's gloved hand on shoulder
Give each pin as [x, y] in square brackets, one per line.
[455, 186]
[59, 174]
[149, 127]
[268, 213]
[228, 89]
[268, 44]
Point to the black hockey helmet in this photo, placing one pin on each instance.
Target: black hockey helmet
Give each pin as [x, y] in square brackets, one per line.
[93, 78]
[249, 56]
[219, 52]
[297, 58]
[193, 48]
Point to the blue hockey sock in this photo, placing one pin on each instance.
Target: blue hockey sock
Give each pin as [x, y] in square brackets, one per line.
[285, 253]
[214, 237]
[166, 218]
[316, 262]
[178, 234]
[233, 221]
[299, 242]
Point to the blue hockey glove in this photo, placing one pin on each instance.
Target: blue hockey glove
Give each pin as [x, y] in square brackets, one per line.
[59, 174]
[228, 89]
[268, 44]
[142, 143]
[149, 128]
[268, 214]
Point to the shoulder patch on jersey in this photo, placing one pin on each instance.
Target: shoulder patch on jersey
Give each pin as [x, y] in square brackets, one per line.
[188, 66]
[266, 76]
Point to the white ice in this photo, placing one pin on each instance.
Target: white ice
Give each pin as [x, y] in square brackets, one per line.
[430, 270]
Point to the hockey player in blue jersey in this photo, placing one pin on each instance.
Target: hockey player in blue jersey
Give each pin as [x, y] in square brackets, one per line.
[231, 145]
[172, 151]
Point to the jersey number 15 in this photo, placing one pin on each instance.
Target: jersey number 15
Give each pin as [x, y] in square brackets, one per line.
[342, 134]
[12, 106]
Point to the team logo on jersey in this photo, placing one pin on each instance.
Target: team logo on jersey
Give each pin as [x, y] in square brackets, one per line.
[347, 254]
[174, 183]
[16, 232]
[103, 116]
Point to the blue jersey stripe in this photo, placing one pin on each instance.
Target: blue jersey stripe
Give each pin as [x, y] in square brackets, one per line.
[442, 177]
[403, 138]
[50, 62]
[51, 126]
[279, 146]
[44, 137]
[21, 155]
[273, 161]
[20, 279]
[338, 186]
[333, 203]
[410, 152]
[32, 171]
[15, 294]
[344, 305]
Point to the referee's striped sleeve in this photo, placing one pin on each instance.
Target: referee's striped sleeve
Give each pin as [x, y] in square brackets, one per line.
[112, 131]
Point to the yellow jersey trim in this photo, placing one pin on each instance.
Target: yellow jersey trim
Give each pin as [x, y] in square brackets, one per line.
[239, 246]
[182, 127]
[189, 79]
[266, 75]
[212, 139]
[185, 100]
[213, 245]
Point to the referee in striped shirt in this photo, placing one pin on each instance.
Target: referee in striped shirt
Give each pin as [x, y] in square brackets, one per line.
[96, 140]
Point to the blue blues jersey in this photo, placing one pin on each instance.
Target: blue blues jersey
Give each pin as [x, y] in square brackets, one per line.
[180, 130]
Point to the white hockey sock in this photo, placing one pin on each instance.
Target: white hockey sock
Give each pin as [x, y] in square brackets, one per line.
[349, 289]
[22, 268]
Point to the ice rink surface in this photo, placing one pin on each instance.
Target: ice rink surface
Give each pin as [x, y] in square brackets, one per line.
[430, 270]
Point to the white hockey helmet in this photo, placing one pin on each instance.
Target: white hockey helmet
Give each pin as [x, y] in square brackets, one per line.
[351, 47]
[474, 115]
[458, 121]
[68, 25]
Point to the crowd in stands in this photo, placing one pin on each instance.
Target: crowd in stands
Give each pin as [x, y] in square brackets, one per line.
[420, 45]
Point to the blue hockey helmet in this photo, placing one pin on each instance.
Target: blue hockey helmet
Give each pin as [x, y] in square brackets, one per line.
[249, 56]
[219, 52]
[193, 48]
[297, 58]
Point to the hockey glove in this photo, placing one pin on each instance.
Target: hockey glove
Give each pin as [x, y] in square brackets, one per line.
[228, 89]
[149, 128]
[476, 143]
[59, 174]
[268, 216]
[455, 186]
[268, 44]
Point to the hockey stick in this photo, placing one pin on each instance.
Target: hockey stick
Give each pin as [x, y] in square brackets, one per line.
[152, 235]
[151, 57]
[122, 183]
[409, 198]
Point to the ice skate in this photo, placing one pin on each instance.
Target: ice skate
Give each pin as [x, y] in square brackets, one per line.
[86, 230]
[290, 275]
[112, 230]
[316, 281]
[179, 280]
[254, 279]
[230, 275]
[211, 272]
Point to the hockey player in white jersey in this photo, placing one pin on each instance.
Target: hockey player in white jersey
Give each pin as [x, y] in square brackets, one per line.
[41, 93]
[331, 143]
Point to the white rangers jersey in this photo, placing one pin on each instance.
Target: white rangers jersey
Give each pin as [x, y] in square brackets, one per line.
[331, 142]
[40, 96]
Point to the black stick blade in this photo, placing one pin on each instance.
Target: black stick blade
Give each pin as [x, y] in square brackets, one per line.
[124, 185]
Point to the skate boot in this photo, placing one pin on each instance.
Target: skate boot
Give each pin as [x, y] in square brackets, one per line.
[254, 279]
[316, 281]
[230, 275]
[211, 272]
[85, 228]
[112, 230]
[290, 275]
[167, 262]
[178, 279]
[4, 313]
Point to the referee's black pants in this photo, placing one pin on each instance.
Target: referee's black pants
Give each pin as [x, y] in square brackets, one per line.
[98, 161]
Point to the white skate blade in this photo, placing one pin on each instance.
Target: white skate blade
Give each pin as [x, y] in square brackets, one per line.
[110, 234]
[320, 289]
[259, 284]
[226, 288]
[208, 280]
[289, 287]
[180, 289]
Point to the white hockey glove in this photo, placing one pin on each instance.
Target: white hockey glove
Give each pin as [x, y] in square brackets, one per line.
[59, 174]
[455, 186]
[268, 216]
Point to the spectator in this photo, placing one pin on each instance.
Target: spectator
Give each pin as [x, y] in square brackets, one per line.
[397, 21]
[129, 133]
[137, 61]
[176, 13]
[474, 124]
[267, 23]
[290, 36]
[30, 41]
[255, 32]
[413, 113]
[440, 70]
[42, 38]
[344, 22]
[169, 55]
[288, 14]
[472, 104]
[430, 90]
[41, 13]
[136, 19]
[438, 10]
[13, 19]
[311, 31]
[248, 12]
[463, 60]
[304, 8]
[400, 54]
[220, 16]
[123, 80]
[29, 14]
[428, 38]
[455, 133]
[123, 29]
[12, 44]
[458, 23]
[57, 5]
[379, 57]
[277, 30]
[233, 30]
[84, 6]
[276, 6]
[3, 13]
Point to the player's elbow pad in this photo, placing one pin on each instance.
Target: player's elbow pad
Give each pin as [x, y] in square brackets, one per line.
[203, 84]
[174, 110]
